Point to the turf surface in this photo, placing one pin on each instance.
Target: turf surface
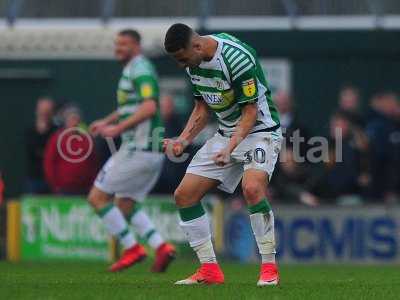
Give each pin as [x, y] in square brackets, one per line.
[91, 281]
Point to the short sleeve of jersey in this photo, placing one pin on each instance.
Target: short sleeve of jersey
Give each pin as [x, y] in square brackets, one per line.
[146, 87]
[245, 86]
[242, 71]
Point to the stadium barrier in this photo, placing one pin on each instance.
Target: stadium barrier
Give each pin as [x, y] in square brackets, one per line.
[52, 227]
[42, 228]
[13, 230]
[327, 234]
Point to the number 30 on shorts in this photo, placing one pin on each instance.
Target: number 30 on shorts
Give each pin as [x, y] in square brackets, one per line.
[257, 154]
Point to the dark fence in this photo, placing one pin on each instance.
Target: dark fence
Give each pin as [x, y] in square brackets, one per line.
[142, 8]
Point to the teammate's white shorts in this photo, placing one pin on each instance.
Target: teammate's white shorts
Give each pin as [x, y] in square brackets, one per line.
[130, 174]
[257, 151]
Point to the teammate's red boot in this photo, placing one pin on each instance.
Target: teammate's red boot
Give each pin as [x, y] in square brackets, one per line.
[268, 275]
[130, 257]
[165, 254]
[208, 273]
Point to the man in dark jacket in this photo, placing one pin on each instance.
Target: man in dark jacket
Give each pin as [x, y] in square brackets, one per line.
[295, 134]
[35, 141]
[384, 134]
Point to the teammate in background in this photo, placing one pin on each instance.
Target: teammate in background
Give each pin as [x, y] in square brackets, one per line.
[132, 172]
[227, 79]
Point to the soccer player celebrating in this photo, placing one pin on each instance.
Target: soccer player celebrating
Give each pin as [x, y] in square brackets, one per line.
[227, 79]
[132, 172]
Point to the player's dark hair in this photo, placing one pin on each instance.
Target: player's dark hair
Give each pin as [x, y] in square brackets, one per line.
[132, 33]
[177, 37]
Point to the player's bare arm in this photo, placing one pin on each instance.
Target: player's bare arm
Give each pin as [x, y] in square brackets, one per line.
[145, 111]
[98, 125]
[246, 123]
[196, 123]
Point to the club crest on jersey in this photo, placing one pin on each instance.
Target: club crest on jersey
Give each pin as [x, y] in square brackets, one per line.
[219, 84]
[249, 87]
[146, 90]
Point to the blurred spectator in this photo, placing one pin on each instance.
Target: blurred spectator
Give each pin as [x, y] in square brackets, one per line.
[2, 188]
[291, 182]
[36, 138]
[349, 105]
[343, 174]
[383, 130]
[349, 102]
[172, 120]
[172, 173]
[295, 134]
[105, 147]
[70, 163]
[393, 193]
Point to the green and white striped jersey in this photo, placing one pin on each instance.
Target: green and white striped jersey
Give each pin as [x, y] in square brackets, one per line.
[234, 77]
[138, 83]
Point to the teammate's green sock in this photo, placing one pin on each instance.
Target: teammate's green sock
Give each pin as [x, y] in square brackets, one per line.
[145, 227]
[116, 225]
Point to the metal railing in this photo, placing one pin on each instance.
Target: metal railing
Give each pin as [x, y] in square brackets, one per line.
[203, 9]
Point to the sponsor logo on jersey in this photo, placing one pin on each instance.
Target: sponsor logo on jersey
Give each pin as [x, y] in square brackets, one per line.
[146, 90]
[249, 87]
[213, 99]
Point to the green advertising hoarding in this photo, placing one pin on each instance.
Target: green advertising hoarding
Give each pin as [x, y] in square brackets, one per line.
[61, 227]
[67, 228]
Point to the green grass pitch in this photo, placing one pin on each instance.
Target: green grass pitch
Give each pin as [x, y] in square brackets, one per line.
[74, 280]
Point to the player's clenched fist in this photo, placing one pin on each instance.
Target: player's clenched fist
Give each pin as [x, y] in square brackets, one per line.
[174, 146]
[222, 158]
[96, 127]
